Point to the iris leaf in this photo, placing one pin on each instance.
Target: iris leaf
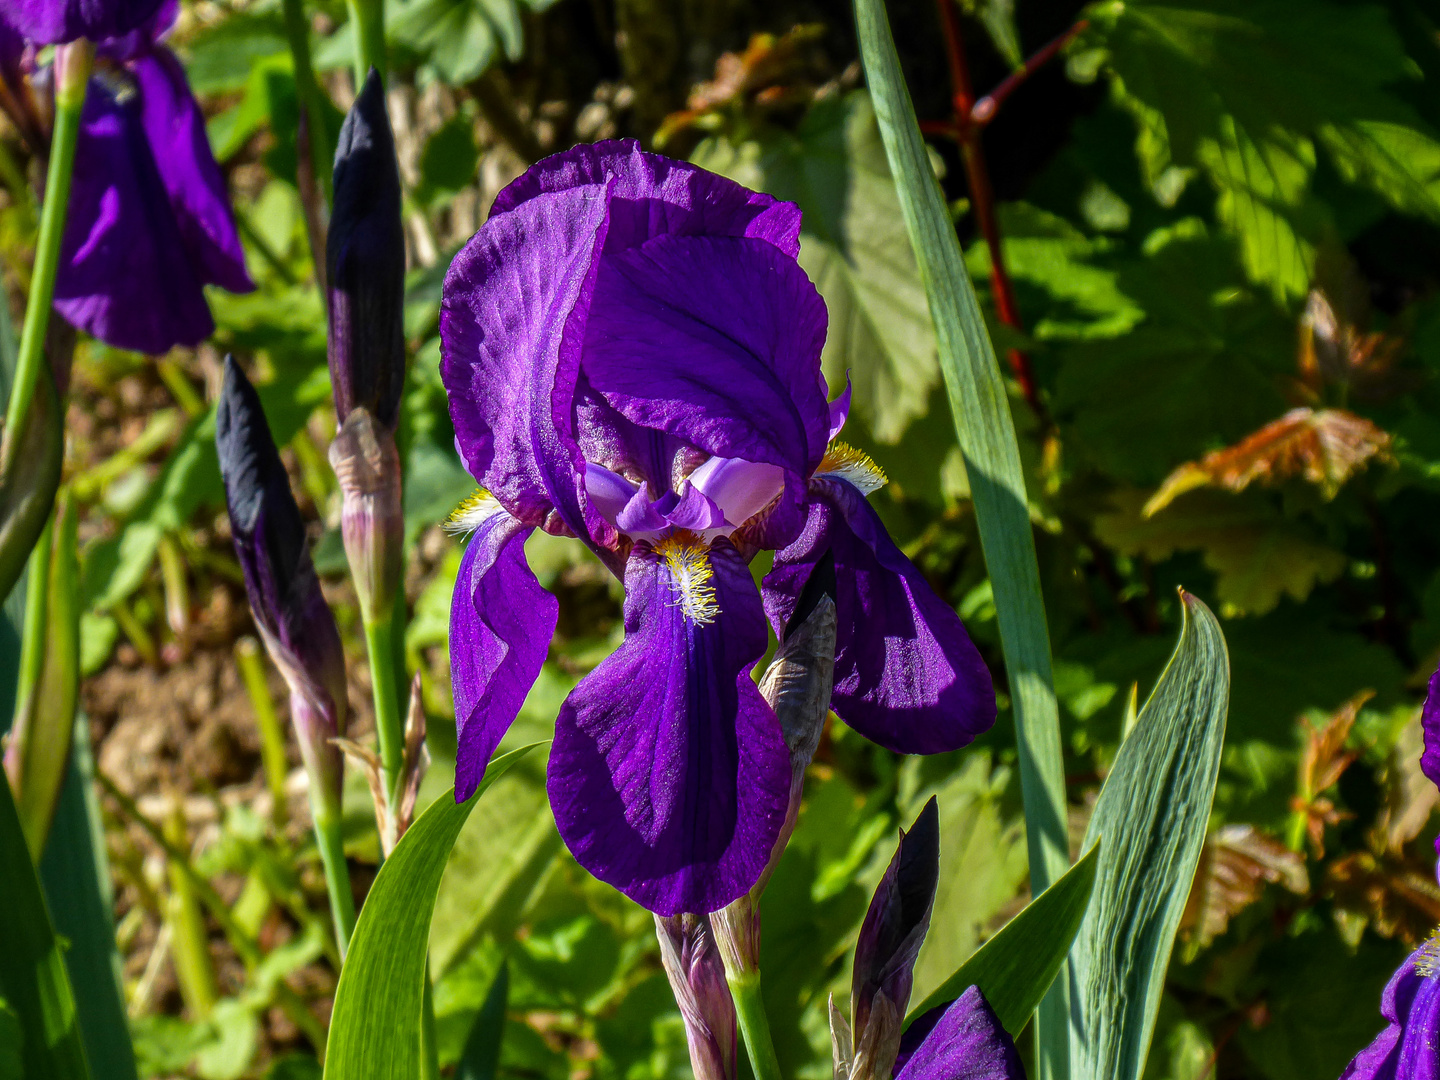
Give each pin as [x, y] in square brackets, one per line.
[1152, 815]
[33, 981]
[986, 432]
[375, 1026]
[1015, 968]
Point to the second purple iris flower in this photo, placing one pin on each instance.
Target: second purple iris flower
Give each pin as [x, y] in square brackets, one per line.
[632, 357]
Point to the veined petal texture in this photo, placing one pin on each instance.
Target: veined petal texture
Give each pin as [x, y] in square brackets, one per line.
[669, 777]
[907, 675]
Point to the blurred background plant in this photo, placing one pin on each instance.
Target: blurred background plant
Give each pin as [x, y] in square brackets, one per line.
[1208, 236]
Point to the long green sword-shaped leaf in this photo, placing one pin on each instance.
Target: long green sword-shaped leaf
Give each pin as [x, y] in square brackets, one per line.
[1151, 818]
[375, 1026]
[33, 981]
[992, 458]
[1015, 968]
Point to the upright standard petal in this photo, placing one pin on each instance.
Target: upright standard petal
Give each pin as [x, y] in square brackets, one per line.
[907, 675]
[967, 1043]
[365, 259]
[1409, 1049]
[501, 622]
[50, 22]
[659, 196]
[1430, 724]
[509, 362]
[717, 341]
[669, 777]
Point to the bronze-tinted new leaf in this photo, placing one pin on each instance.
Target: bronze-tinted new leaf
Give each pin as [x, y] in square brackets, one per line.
[1235, 865]
[1397, 896]
[1324, 446]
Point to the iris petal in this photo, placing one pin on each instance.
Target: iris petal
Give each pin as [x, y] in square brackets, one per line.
[717, 341]
[658, 196]
[967, 1043]
[1409, 1048]
[906, 674]
[669, 777]
[501, 622]
[508, 364]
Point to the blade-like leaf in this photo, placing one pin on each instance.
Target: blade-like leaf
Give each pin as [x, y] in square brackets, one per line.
[481, 1057]
[1016, 966]
[33, 981]
[76, 875]
[1152, 816]
[375, 1026]
[986, 432]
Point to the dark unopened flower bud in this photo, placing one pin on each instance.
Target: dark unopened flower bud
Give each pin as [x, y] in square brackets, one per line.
[889, 942]
[295, 622]
[692, 963]
[365, 264]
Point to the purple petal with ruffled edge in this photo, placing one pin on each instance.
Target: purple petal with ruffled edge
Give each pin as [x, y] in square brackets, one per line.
[669, 777]
[49, 22]
[906, 674]
[716, 340]
[125, 273]
[501, 622]
[143, 38]
[1409, 1049]
[967, 1043]
[659, 196]
[508, 363]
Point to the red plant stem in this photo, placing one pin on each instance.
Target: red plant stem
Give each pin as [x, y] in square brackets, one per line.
[982, 195]
[984, 110]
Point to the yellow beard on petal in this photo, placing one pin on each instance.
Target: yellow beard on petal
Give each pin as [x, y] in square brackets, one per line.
[687, 558]
[844, 462]
[1428, 962]
[473, 512]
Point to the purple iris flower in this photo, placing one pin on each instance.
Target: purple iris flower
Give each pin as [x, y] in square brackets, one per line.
[149, 221]
[50, 22]
[1409, 1048]
[963, 1041]
[632, 357]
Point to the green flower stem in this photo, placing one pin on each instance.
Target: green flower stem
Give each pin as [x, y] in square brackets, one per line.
[73, 63]
[750, 1010]
[272, 735]
[331, 842]
[382, 636]
[369, 19]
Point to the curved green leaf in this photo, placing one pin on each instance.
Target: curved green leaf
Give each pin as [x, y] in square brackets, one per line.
[33, 982]
[1152, 814]
[375, 1027]
[986, 432]
[1015, 968]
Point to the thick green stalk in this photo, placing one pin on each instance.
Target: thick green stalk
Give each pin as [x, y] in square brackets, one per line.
[986, 433]
[369, 19]
[382, 636]
[73, 63]
[331, 842]
[754, 1026]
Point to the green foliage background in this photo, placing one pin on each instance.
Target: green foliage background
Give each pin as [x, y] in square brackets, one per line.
[1172, 192]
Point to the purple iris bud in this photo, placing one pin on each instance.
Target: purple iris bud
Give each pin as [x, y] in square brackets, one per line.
[890, 940]
[1409, 1048]
[50, 22]
[295, 622]
[149, 223]
[697, 976]
[365, 264]
[632, 357]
